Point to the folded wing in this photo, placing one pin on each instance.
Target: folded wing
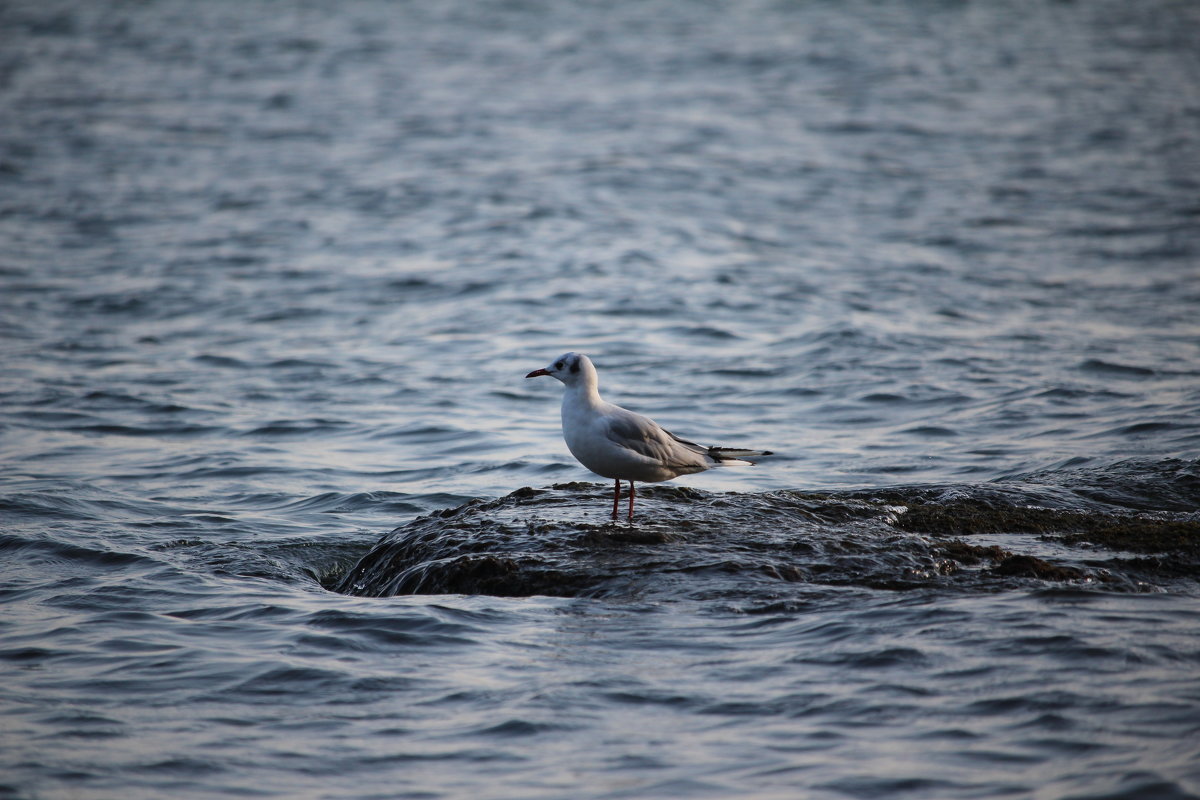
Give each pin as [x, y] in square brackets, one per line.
[647, 438]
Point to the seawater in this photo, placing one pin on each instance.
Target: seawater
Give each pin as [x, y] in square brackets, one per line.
[270, 275]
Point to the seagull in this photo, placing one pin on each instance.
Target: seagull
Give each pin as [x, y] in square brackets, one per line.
[617, 443]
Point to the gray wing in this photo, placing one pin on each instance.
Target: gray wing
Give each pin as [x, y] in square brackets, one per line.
[646, 437]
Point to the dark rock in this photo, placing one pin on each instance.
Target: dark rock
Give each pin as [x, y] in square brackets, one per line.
[560, 542]
[1032, 567]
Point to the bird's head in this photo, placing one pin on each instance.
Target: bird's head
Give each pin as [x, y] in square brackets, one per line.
[570, 368]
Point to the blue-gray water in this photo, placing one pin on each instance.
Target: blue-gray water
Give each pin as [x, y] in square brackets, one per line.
[271, 274]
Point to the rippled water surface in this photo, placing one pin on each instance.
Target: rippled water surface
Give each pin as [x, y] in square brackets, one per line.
[270, 277]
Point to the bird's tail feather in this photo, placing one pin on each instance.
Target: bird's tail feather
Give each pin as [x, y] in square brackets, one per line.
[735, 456]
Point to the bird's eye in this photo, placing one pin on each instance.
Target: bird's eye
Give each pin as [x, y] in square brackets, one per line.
[558, 365]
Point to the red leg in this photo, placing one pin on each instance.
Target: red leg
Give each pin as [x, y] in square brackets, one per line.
[616, 496]
[631, 493]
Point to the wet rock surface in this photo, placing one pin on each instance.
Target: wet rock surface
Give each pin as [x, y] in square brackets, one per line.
[558, 541]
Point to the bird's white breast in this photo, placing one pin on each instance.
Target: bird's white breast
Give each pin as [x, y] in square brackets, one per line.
[585, 429]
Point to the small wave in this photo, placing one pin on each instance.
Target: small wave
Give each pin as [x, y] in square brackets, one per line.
[76, 501]
[299, 363]
[336, 503]
[227, 362]
[412, 629]
[284, 681]
[53, 417]
[885, 658]
[1116, 370]
[288, 314]
[426, 433]
[1070, 393]
[1142, 428]
[177, 429]
[50, 550]
[931, 431]
[301, 427]
[238, 471]
[1171, 485]
[746, 372]
[703, 332]
[121, 401]
[520, 727]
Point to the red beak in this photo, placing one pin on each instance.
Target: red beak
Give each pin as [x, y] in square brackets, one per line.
[536, 373]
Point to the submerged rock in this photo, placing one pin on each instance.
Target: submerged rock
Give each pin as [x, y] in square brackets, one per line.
[1034, 567]
[559, 542]
[1140, 534]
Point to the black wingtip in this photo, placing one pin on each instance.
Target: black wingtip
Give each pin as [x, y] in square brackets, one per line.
[738, 452]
